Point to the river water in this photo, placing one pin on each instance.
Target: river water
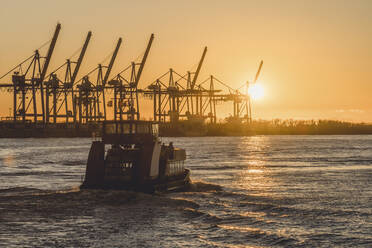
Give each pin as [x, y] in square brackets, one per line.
[260, 191]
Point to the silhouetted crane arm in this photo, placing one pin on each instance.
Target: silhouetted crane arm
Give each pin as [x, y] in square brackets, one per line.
[112, 62]
[144, 60]
[50, 52]
[198, 69]
[255, 79]
[80, 59]
[258, 72]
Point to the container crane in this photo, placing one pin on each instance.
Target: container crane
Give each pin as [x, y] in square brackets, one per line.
[195, 96]
[247, 104]
[61, 93]
[170, 99]
[91, 97]
[126, 90]
[242, 101]
[27, 85]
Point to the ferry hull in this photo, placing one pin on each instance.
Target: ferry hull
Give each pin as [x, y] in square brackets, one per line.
[173, 183]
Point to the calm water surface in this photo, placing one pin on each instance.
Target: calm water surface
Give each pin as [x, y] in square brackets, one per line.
[262, 191]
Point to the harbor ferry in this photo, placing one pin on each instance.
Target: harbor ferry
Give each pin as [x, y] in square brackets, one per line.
[135, 159]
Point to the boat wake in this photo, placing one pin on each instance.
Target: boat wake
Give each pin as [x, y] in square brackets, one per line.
[200, 186]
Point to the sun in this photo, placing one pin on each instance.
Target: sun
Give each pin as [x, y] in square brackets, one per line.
[256, 91]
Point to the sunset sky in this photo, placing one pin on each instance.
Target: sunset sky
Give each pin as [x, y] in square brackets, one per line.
[317, 54]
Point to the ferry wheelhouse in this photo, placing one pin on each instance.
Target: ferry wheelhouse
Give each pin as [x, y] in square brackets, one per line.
[135, 159]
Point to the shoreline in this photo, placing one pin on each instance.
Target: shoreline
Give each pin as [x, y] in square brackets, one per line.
[192, 129]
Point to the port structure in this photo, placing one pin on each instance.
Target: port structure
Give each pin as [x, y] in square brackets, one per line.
[242, 101]
[174, 100]
[178, 97]
[59, 94]
[60, 98]
[125, 100]
[90, 99]
[27, 85]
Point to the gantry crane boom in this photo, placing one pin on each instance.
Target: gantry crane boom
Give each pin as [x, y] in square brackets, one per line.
[43, 73]
[107, 74]
[258, 72]
[144, 60]
[80, 59]
[50, 52]
[198, 69]
[248, 100]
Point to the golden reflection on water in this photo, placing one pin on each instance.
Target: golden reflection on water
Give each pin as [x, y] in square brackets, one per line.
[216, 244]
[9, 160]
[255, 171]
[242, 228]
[255, 175]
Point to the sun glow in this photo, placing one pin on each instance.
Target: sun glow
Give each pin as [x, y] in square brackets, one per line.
[256, 91]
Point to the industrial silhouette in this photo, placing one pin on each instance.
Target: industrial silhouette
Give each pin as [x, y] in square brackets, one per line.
[60, 100]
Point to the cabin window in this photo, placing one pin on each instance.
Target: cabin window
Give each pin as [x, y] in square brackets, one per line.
[126, 165]
[155, 129]
[110, 128]
[175, 167]
[143, 128]
[125, 128]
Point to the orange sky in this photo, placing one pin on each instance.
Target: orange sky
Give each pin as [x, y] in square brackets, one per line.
[317, 54]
